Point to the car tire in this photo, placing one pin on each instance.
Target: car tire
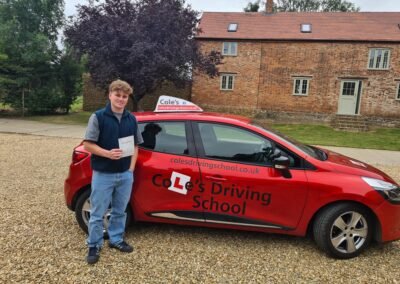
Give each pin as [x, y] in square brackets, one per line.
[343, 230]
[82, 213]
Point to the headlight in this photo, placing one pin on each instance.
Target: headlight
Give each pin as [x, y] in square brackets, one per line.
[389, 191]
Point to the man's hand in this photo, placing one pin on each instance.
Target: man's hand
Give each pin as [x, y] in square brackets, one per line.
[114, 154]
[134, 158]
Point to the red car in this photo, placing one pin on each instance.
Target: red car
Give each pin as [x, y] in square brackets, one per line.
[218, 170]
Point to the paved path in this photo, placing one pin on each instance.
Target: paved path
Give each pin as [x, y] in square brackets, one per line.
[382, 157]
[369, 156]
[40, 128]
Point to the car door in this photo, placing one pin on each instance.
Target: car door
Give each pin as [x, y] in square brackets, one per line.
[166, 172]
[241, 188]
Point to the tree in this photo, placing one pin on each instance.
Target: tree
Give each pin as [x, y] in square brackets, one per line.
[306, 6]
[252, 7]
[31, 62]
[338, 5]
[144, 42]
[315, 6]
[297, 5]
[69, 73]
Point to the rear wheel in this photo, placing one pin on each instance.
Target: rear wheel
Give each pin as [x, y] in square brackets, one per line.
[82, 213]
[343, 230]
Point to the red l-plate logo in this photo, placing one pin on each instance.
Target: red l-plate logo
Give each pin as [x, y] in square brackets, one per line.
[178, 182]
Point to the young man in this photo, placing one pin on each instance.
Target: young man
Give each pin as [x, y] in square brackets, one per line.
[112, 137]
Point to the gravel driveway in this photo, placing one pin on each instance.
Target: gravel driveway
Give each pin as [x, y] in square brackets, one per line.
[41, 242]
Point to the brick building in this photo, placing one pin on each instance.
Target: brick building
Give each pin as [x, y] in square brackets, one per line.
[303, 65]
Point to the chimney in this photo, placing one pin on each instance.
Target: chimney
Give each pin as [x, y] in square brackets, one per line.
[269, 6]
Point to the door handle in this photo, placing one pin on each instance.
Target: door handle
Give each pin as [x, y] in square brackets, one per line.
[215, 178]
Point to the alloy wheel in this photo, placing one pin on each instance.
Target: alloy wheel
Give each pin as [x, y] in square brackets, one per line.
[349, 232]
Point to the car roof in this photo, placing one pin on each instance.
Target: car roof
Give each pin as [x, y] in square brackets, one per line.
[199, 116]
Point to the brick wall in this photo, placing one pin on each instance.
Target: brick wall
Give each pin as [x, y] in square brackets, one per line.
[206, 91]
[148, 103]
[265, 72]
[94, 98]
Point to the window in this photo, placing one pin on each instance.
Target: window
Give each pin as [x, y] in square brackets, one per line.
[232, 27]
[379, 58]
[300, 86]
[305, 28]
[227, 82]
[229, 48]
[233, 144]
[398, 92]
[349, 89]
[166, 137]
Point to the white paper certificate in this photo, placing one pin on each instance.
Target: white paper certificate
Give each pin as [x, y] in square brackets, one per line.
[127, 145]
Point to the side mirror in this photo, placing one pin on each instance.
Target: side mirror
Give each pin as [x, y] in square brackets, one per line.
[276, 153]
[282, 163]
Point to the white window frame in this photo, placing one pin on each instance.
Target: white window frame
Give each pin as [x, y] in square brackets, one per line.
[380, 65]
[306, 28]
[232, 27]
[227, 76]
[231, 48]
[301, 79]
[397, 96]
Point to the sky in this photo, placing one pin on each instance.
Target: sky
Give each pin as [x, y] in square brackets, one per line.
[238, 5]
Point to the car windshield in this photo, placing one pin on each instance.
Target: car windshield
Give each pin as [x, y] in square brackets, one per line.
[308, 149]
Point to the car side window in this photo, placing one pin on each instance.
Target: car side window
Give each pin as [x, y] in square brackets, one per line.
[234, 144]
[166, 137]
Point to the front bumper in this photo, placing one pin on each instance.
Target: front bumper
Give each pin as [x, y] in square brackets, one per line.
[389, 218]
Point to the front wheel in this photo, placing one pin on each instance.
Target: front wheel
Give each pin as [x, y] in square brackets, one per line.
[343, 230]
[82, 213]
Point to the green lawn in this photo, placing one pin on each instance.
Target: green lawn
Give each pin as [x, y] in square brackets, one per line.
[76, 115]
[380, 138]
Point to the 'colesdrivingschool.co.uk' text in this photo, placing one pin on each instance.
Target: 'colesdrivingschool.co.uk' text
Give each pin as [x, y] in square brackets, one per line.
[211, 165]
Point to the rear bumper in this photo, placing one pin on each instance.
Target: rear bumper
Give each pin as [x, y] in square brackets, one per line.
[79, 177]
[67, 194]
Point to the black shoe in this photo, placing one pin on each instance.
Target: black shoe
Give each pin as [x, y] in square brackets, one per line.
[122, 246]
[93, 255]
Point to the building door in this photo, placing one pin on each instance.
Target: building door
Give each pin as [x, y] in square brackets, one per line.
[349, 99]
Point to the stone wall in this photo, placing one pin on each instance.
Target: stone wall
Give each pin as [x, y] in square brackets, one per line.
[296, 117]
[94, 98]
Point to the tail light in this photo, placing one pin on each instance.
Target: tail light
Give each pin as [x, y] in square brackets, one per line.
[78, 156]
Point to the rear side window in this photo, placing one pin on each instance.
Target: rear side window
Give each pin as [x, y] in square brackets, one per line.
[165, 137]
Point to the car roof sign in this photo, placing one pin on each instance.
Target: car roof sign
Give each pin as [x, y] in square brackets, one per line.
[172, 104]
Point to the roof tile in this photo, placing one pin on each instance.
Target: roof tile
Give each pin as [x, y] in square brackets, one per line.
[352, 26]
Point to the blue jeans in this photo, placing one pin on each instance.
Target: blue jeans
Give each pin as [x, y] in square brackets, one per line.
[114, 189]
